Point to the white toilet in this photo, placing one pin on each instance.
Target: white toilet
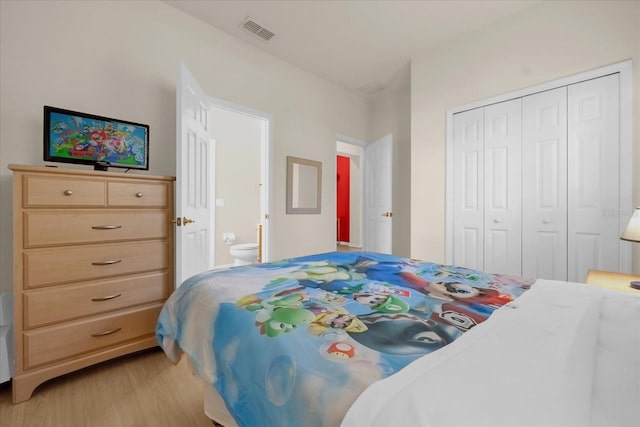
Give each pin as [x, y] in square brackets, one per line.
[244, 254]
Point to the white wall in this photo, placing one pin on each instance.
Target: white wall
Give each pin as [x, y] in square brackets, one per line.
[548, 41]
[119, 59]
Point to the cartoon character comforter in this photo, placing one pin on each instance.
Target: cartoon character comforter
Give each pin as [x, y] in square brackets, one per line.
[295, 342]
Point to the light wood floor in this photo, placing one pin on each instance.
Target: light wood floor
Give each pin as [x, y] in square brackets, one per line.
[143, 389]
[345, 248]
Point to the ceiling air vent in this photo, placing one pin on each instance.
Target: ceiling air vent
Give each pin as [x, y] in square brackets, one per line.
[256, 29]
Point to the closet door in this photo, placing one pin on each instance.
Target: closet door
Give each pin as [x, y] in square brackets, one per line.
[544, 185]
[468, 189]
[594, 162]
[502, 187]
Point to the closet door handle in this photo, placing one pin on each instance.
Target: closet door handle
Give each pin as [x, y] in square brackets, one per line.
[114, 261]
[101, 334]
[107, 298]
[106, 227]
[546, 221]
[497, 221]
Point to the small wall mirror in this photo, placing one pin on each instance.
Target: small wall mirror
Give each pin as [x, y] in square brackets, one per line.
[304, 186]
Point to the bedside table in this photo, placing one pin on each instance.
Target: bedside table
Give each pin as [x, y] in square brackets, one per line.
[612, 280]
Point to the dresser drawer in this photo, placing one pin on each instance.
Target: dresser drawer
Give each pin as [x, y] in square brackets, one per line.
[58, 304]
[60, 191]
[50, 344]
[137, 194]
[44, 267]
[46, 228]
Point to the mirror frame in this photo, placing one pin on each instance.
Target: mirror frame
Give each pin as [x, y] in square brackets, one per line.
[291, 161]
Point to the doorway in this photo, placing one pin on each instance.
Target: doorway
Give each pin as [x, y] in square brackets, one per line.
[370, 198]
[196, 202]
[349, 193]
[240, 140]
[343, 202]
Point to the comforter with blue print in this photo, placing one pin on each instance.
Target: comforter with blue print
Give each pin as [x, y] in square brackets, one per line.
[294, 342]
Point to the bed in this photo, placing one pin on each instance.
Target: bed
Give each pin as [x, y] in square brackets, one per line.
[367, 339]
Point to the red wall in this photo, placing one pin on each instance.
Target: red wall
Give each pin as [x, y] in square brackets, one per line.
[343, 214]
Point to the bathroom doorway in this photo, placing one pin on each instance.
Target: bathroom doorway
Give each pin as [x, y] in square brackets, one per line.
[200, 239]
[241, 183]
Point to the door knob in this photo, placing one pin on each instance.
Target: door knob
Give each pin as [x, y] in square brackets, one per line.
[186, 220]
[388, 214]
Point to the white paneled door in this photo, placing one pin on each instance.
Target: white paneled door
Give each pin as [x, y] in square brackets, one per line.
[503, 187]
[378, 198]
[468, 202]
[544, 185]
[194, 156]
[593, 133]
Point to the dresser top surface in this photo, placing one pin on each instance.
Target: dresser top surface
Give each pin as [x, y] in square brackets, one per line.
[82, 172]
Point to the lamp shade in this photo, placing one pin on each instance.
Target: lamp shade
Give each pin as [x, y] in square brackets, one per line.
[632, 233]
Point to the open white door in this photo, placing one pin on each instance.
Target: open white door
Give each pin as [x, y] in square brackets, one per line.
[378, 195]
[194, 183]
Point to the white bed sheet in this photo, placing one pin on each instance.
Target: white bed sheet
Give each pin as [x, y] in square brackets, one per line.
[563, 354]
[215, 408]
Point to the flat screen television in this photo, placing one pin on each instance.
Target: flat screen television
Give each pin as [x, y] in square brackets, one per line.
[103, 142]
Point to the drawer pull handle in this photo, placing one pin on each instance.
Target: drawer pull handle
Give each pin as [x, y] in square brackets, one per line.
[138, 195]
[101, 334]
[107, 298]
[67, 192]
[106, 227]
[113, 261]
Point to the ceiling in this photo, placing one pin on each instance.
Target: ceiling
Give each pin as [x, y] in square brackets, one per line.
[361, 45]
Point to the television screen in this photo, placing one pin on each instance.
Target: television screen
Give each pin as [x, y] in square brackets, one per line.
[73, 137]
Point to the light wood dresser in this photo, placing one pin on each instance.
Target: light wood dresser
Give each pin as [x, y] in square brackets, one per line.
[93, 263]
